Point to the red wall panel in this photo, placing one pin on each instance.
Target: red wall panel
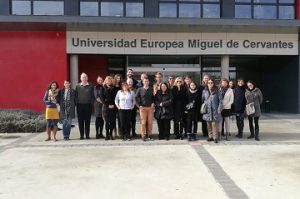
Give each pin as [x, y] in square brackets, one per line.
[93, 66]
[29, 61]
[297, 9]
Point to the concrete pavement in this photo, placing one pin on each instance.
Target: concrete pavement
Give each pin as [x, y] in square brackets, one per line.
[240, 168]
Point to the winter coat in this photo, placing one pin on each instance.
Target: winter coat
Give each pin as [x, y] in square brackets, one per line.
[228, 99]
[179, 102]
[255, 96]
[214, 105]
[72, 103]
[108, 95]
[98, 105]
[166, 111]
[196, 98]
[239, 99]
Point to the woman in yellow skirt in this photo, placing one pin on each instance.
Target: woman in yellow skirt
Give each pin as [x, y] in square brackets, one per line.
[51, 100]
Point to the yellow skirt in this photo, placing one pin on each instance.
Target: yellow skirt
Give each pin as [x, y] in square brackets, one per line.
[52, 114]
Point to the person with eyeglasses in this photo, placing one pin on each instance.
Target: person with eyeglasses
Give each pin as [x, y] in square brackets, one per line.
[179, 102]
[171, 81]
[212, 113]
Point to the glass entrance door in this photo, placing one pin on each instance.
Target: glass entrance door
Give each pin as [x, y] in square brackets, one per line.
[178, 66]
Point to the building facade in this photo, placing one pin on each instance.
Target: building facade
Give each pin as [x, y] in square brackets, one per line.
[46, 40]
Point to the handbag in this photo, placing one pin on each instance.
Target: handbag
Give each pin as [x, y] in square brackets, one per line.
[250, 109]
[190, 105]
[203, 109]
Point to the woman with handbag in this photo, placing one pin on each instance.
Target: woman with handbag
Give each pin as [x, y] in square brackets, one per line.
[192, 107]
[227, 101]
[179, 102]
[211, 109]
[163, 110]
[51, 100]
[254, 99]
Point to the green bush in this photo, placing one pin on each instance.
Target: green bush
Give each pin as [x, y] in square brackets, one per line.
[13, 121]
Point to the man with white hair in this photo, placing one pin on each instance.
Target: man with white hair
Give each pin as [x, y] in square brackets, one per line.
[84, 102]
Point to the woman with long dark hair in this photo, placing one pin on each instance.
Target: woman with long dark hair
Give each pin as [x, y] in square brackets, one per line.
[51, 100]
[99, 123]
[192, 110]
[239, 106]
[163, 110]
[254, 98]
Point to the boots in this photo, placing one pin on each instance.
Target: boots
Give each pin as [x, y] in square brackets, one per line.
[107, 134]
[256, 135]
[111, 134]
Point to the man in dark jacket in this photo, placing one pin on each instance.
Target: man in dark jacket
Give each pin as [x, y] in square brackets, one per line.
[239, 106]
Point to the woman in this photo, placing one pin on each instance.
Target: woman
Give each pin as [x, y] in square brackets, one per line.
[254, 97]
[125, 102]
[67, 108]
[51, 100]
[212, 113]
[179, 102]
[227, 101]
[118, 85]
[134, 110]
[239, 106]
[192, 108]
[107, 96]
[163, 110]
[98, 108]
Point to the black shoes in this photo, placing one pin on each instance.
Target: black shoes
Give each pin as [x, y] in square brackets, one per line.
[239, 136]
[216, 141]
[210, 139]
[251, 137]
[257, 139]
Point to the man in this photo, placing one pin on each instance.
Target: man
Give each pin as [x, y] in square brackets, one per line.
[140, 83]
[204, 123]
[144, 100]
[84, 101]
[187, 81]
[130, 76]
[158, 81]
[171, 81]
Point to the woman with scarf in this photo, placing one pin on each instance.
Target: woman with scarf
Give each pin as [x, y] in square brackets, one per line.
[239, 106]
[51, 100]
[212, 99]
[109, 110]
[192, 108]
[179, 102]
[227, 101]
[67, 108]
[255, 97]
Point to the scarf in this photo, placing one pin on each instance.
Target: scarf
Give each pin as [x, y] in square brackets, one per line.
[67, 102]
[193, 91]
[223, 91]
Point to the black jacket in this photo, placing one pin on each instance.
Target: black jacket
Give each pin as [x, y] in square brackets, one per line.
[239, 99]
[108, 95]
[179, 102]
[166, 111]
[196, 98]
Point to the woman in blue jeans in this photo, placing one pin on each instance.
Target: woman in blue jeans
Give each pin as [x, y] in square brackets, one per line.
[67, 108]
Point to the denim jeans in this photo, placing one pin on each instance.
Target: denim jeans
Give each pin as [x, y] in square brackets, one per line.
[67, 122]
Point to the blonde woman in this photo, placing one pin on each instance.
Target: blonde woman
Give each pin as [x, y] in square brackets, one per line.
[179, 102]
[108, 95]
[51, 100]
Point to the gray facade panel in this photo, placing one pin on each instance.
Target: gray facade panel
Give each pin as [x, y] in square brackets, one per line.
[151, 8]
[4, 7]
[227, 8]
[72, 7]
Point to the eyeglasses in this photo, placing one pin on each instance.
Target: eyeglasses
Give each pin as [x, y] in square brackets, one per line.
[210, 82]
[179, 81]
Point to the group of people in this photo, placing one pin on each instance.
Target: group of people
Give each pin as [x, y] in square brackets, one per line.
[180, 100]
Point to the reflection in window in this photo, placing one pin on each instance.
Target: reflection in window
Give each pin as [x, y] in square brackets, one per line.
[88, 8]
[112, 9]
[243, 11]
[286, 12]
[134, 9]
[21, 8]
[167, 10]
[211, 11]
[264, 12]
[189, 10]
[264, 1]
[48, 7]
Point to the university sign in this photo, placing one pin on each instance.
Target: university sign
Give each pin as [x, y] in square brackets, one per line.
[181, 43]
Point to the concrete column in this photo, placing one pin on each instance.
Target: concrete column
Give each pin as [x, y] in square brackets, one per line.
[225, 66]
[74, 70]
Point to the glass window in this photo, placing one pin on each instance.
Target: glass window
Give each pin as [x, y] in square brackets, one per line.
[191, 0]
[189, 10]
[21, 8]
[211, 11]
[264, 1]
[243, 1]
[286, 12]
[48, 7]
[89, 8]
[243, 11]
[134, 9]
[167, 10]
[286, 1]
[211, 0]
[264, 12]
[112, 9]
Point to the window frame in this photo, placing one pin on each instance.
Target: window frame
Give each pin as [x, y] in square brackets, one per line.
[32, 7]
